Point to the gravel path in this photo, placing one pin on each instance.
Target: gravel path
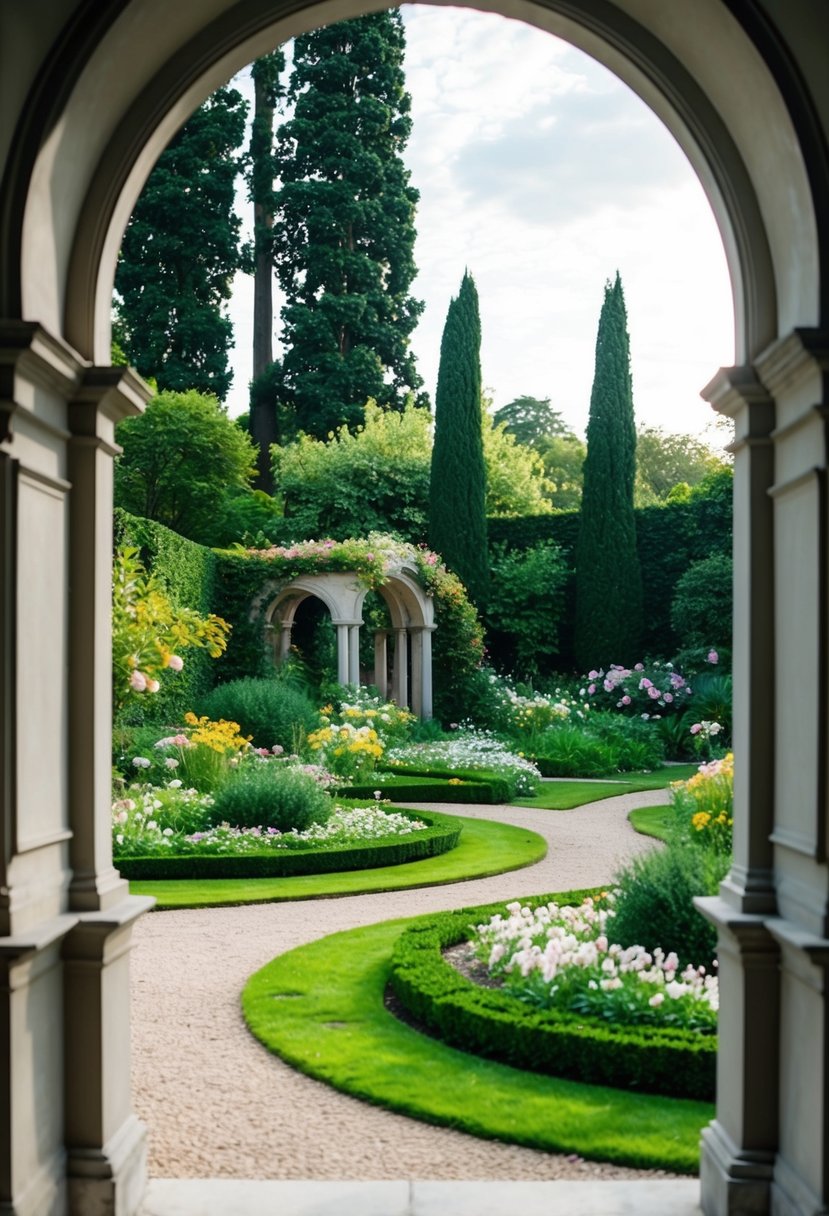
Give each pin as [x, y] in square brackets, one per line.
[219, 1105]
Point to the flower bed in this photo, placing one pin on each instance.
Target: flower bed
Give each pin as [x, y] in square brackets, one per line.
[353, 839]
[493, 1022]
[468, 753]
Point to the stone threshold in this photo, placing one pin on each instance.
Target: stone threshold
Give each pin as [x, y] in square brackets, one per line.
[231, 1197]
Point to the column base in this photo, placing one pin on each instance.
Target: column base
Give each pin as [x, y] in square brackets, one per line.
[110, 1181]
[791, 1197]
[44, 1196]
[733, 1182]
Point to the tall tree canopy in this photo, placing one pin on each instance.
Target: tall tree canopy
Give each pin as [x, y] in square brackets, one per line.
[457, 486]
[664, 461]
[530, 419]
[608, 579]
[180, 252]
[344, 233]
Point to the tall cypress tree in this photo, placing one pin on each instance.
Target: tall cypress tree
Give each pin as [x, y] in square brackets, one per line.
[344, 231]
[180, 252]
[457, 488]
[608, 580]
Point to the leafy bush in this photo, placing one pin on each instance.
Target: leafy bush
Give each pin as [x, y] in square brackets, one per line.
[603, 745]
[654, 905]
[271, 711]
[712, 702]
[525, 605]
[270, 794]
[702, 604]
[649, 691]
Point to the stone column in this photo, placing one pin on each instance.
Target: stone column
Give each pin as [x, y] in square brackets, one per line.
[416, 634]
[426, 668]
[284, 641]
[342, 653]
[400, 687]
[381, 668]
[354, 655]
[738, 1148]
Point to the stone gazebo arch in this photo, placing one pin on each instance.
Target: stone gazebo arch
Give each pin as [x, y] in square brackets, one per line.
[412, 624]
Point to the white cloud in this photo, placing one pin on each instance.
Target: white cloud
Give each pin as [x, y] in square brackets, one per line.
[543, 174]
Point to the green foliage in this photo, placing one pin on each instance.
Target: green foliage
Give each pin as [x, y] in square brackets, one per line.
[703, 602]
[148, 631]
[515, 477]
[606, 744]
[430, 785]
[376, 479]
[665, 461]
[563, 459]
[181, 459]
[525, 606]
[272, 711]
[530, 419]
[654, 904]
[492, 1023]
[457, 485]
[187, 574]
[180, 252]
[269, 794]
[608, 579]
[440, 838]
[344, 233]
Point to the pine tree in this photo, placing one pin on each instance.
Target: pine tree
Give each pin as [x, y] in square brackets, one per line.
[344, 230]
[608, 580]
[266, 73]
[180, 252]
[457, 489]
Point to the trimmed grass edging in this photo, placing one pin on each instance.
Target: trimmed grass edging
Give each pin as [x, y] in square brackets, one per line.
[320, 1008]
[491, 1022]
[442, 834]
[486, 847]
[651, 821]
[416, 785]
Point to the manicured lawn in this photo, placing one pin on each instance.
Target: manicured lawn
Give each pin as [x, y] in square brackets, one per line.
[651, 820]
[485, 848]
[320, 1007]
[564, 795]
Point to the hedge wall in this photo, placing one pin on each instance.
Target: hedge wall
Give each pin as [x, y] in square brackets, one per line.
[188, 573]
[442, 835]
[669, 538]
[491, 1023]
[414, 785]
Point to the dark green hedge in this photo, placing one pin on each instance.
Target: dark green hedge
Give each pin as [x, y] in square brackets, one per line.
[441, 836]
[422, 785]
[187, 572]
[491, 1023]
[669, 538]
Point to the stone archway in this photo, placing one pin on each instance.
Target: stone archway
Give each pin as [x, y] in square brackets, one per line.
[740, 83]
[412, 625]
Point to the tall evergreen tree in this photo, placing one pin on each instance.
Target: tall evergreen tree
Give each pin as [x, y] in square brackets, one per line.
[180, 252]
[457, 487]
[344, 229]
[266, 73]
[608, 580]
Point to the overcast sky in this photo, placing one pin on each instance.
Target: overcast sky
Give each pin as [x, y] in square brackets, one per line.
[544, 174]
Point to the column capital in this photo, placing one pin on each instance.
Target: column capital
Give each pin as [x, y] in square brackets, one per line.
[784, 364]
[31, 352]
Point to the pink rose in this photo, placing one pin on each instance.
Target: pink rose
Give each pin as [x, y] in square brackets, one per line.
[645, 682]
[639, 667]
[138, 681]
[653, 693]
[153, 685]
[591, 688]
[668, 697]
[626, 699]
[696, 728]
[592, 675]
[175, 662]
[713, 657]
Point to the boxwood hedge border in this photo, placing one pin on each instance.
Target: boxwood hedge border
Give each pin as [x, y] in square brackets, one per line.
[442, 834]
[490, 1022]
[407, 785]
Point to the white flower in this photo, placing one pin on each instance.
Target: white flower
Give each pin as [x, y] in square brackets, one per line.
[657, 999]
[170, 762]
[174, 785]
[140, 762]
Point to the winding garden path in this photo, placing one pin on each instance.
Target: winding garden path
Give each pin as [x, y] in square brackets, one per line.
[219, 1105]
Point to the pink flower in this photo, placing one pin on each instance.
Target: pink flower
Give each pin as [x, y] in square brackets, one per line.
[657, 999]
[277, 749]
[669, 697]
[609, 686]
[592, 675]
[712, 657]
[645, 682]
[591, 688]
[696, 728]
[677, 681]
[175, 662]
[153, 685]
[639, 667]
[138, 681]
[653, 692]
[626, 699]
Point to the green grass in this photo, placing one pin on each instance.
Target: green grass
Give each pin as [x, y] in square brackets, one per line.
[564, 795]
[485, 848]
[652, 820]
[320, 1008]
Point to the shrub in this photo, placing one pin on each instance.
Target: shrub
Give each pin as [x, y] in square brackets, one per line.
[702, 604]
[526, 603]
[606, 743]
[271, 711]
[269, 794]
[654, 905]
